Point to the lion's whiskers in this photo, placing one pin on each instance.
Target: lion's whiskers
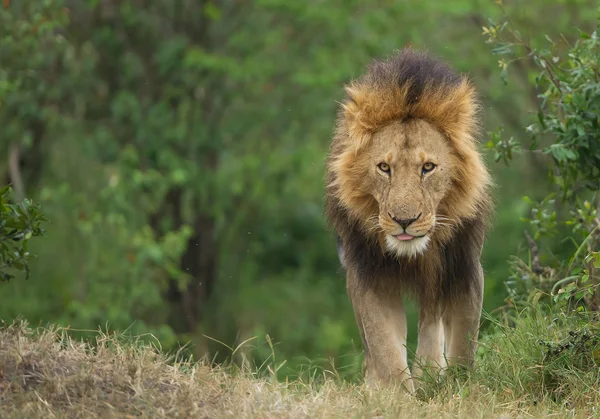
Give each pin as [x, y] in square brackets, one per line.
[445, 225]
[373, 228]
[373, 219]
[443, 218]
[447, 222]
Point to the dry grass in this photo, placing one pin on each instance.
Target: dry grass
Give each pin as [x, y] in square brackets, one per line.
[46, 374]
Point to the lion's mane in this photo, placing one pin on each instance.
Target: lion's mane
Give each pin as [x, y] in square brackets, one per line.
[412, 84]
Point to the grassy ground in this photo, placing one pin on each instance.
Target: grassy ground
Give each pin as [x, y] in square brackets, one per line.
[45, 374]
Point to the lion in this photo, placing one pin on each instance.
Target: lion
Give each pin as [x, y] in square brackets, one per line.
[408, 195]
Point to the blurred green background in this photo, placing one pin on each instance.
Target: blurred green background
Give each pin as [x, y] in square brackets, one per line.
[178, 148]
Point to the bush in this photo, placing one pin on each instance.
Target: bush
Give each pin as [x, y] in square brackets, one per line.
[566, 130]
[532, 358]
[18, 224]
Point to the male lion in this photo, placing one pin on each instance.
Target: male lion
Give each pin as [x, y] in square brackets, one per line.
[408, 195]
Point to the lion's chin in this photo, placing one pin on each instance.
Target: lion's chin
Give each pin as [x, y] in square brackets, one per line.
[407, 248]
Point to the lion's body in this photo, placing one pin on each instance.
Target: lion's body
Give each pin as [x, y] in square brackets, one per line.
[408, 198]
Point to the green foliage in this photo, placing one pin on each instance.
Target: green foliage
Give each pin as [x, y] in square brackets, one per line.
[18, 224]
[502, 147]
[569, 85]
[30, 44]
[566, 129]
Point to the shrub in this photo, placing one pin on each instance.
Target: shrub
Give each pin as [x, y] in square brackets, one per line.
[18, 224]
[566, 131]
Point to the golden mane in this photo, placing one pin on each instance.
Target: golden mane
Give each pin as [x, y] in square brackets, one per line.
[412, 84]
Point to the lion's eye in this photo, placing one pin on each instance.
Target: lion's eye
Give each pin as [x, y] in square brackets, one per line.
[384, 167]
[427, 167]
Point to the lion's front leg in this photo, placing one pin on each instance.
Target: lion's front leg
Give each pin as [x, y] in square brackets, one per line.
[382, 323]
[461, 323]
[430, 347]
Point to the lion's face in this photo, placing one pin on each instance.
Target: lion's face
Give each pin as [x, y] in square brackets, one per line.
[409, 176]
[398, 181]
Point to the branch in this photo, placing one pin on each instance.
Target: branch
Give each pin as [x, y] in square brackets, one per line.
[14, 172]
[535, 260]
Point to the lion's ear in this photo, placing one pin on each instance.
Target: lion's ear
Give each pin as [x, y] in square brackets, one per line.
[453, 110]
[459, 114]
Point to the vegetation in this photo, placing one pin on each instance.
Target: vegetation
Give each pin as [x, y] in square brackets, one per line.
[566, 129]
[177, 148]
[18, 223]
[45, 373]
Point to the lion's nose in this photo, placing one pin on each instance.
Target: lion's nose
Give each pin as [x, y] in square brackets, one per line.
[405, 222]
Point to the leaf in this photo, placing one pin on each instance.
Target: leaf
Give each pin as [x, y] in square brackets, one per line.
[503, 49]
[583, 34]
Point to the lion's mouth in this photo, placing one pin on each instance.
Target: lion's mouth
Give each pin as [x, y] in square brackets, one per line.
[408, 237]
[404, 237]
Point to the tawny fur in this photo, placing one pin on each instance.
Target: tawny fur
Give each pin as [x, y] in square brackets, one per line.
[410, 101]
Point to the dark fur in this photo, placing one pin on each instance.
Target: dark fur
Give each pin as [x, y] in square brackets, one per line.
[411, 68]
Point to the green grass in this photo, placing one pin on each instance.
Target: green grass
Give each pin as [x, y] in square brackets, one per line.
[529, 365]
